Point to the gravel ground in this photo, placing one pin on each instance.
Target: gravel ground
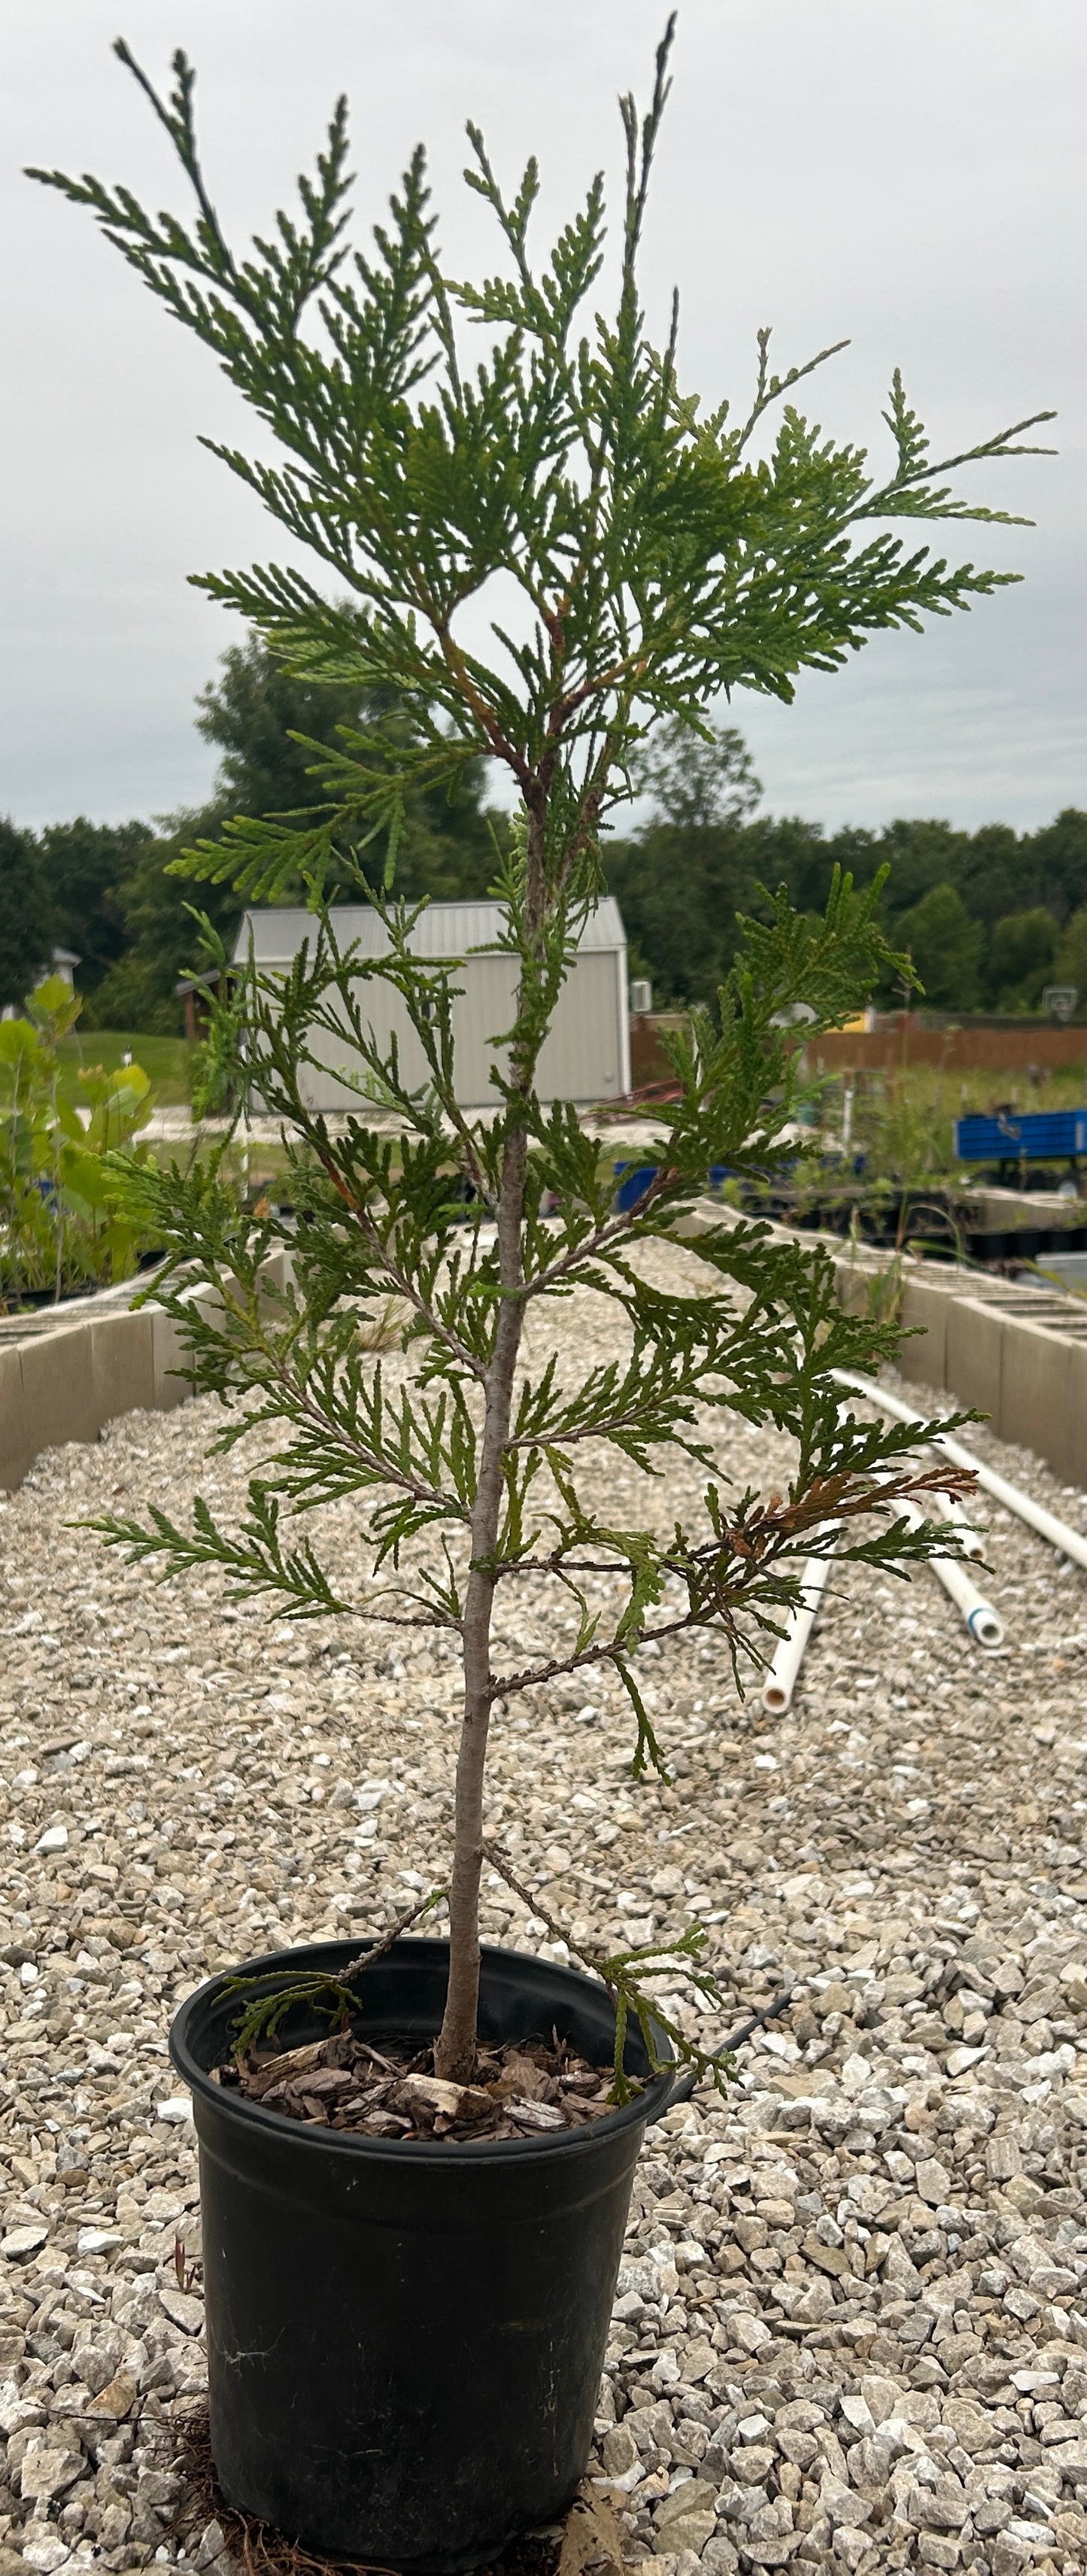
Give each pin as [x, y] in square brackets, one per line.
[851, 2327]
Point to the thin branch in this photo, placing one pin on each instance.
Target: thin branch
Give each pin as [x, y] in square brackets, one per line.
[497, 1861]
[400, 1278]
[380, 1950]
[179, 127]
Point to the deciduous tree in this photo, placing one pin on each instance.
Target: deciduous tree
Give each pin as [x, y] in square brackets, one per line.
[27, 917]
[945, 947]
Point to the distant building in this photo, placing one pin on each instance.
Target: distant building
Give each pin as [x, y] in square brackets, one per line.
[192, 992]
[62, 962]
[585, 1058]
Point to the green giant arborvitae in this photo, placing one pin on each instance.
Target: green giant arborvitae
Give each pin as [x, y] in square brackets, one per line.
[528, 534]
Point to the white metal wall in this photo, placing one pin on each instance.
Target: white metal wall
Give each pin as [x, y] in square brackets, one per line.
[585, 1056]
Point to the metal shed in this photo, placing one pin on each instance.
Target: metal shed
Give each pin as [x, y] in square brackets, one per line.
[586, 1056]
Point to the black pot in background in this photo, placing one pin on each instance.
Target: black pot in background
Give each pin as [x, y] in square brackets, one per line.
[405, 2340]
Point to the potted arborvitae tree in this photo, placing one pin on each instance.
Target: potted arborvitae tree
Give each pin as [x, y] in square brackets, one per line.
[407, 2307]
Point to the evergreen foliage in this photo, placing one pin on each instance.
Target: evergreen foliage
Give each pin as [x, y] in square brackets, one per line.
[682, 880]
[121, 894]
[270, 726]
[645, 555]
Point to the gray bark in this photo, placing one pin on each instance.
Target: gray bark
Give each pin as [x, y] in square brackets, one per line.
[455, 2052]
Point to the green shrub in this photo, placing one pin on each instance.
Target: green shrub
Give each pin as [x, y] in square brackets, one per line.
[63, 1222]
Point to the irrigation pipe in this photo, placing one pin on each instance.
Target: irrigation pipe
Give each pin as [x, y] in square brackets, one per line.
[946, 1507]
[781, 1680]
[949, 1508]
[984, 1623]
[1070, 1542]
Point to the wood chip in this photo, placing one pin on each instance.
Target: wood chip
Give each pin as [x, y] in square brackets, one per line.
[523, 2078]
[428, 2095]
[537, 2115]
[328, 2080]
[284, 2069]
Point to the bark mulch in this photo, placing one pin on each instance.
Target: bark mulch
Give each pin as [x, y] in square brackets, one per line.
[520, 2090]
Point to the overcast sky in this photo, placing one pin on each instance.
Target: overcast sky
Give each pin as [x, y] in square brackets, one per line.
[908, 172]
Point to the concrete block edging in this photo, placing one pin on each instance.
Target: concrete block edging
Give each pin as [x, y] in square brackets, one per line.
[65, 1384]
[1027, 1378]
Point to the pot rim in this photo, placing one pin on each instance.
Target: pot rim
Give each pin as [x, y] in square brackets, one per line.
[648, 2105]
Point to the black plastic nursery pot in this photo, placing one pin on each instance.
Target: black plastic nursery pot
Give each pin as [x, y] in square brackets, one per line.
[405, 2339]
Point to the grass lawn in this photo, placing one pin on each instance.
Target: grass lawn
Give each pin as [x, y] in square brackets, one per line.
[165, 1060]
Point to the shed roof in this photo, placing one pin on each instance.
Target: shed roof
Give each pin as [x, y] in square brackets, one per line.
[443, 930]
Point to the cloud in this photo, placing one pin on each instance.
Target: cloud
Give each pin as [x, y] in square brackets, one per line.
[910, 174]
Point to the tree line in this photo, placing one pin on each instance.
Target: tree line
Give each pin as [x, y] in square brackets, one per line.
[989, 918]
[104, 891]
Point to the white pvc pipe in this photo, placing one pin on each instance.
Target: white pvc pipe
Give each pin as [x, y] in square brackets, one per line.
[984, 1623]
[946, 1507]
[781, 1680]
[949, 1508]
[1070, 1542]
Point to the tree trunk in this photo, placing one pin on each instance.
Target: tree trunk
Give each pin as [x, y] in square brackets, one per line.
[455, 2051]
[454, 2056]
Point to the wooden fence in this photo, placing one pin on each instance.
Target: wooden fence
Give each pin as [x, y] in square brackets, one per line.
[962, 1050]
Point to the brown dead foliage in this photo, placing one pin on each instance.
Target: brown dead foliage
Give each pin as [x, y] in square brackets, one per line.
[592, 2543]
[585, 2544]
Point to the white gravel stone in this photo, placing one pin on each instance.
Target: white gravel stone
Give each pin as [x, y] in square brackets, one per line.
[23, 2241]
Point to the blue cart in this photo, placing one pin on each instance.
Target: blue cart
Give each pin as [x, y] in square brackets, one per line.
[633, 1179]
[1039, 1136]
